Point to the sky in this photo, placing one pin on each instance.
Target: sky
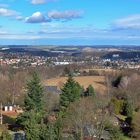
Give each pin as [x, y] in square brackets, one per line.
[69, 22]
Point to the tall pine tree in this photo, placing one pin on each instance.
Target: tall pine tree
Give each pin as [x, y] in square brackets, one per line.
[33, 99]
[33, 114]
[70, 92]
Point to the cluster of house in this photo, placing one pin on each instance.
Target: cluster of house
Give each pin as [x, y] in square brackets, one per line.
[8, 109]
[9, 61]
[30, 62]
[23, 60]
[120, 64]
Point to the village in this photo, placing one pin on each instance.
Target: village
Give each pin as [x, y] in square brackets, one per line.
[115, 61]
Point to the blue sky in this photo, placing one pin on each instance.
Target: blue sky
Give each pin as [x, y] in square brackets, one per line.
[70, 22]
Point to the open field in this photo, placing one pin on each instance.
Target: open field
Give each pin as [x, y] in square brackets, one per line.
[101, 71]
[96, 81]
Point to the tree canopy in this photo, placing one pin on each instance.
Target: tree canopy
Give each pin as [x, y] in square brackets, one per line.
[90, 91]
[33, 114]
[33, 99]
[70, 92]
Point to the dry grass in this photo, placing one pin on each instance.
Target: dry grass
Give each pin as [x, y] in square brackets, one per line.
[109, 70]
[95, 81]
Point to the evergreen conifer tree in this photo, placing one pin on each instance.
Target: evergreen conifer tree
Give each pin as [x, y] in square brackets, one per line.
[33, 99]
[34, 112]
[90, 91]
[71, 91]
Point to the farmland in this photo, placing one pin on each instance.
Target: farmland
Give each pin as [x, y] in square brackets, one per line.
[96, 81]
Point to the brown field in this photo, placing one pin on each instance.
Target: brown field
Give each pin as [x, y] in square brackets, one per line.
[96, 81]
[101, 70]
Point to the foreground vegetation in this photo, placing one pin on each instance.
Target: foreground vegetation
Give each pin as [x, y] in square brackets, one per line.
[79, 113]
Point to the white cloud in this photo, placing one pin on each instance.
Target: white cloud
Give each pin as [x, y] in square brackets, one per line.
[64, 15]
[40, 1]
[19, 18]
[3, 32]
[132, 21]
[62, 31]
[36, 17]
[8, 12]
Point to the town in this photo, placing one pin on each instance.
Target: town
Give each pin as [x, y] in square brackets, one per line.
[107, 59]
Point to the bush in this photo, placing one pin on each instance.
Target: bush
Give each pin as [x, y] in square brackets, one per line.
[5, 135]
[117, 105]
[115, 134]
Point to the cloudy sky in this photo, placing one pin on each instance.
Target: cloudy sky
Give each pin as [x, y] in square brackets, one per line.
[70, 22]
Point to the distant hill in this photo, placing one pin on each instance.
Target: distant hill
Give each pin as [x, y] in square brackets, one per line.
[30, 51]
